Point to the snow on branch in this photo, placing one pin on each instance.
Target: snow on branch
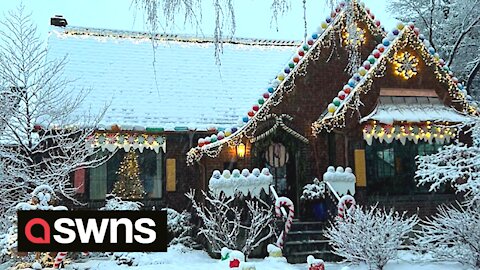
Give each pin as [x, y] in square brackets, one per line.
[222, 222]
[42, 138]
[370, 235]
[455, 164]
[453, 234]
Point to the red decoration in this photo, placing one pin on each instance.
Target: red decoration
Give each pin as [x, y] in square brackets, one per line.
[368, 10]
[376, 54]
[37, 127]
[367, 66]
[341, 96]
[347, 90]
[338, 9]
[207, 142]
[310, 42]
[372, 16]
[317, 267]
[235, 263]
[255, 108]
[296, 59]
[378, 23]
[301, 53]
[251, 113]
[201, 143]
[381, 49]
[333, 14]
[266, 95]
[411, 25]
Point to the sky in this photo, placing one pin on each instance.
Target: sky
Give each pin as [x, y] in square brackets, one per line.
[253, 17]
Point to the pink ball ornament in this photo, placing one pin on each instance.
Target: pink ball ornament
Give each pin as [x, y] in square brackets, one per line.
[310, 42]
[333, 14]
[376, 54]
[256, 108]
[342, 4]
[220, 135]
[372, 16]
[416, 30]
[378, 23]
[411, 25]
[441, 62]
[301, 52]
[367, 65]
[266, 95]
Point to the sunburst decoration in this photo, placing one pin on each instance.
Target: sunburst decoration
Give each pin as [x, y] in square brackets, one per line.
[353, 35]
[405, 65]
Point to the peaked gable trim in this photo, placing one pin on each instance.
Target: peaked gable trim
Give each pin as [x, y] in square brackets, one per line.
[311, 50]
[376, 63]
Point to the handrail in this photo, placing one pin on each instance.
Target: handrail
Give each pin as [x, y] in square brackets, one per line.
[333, 190]
[275, 195]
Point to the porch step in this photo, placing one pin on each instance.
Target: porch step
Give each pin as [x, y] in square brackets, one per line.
[307, 238]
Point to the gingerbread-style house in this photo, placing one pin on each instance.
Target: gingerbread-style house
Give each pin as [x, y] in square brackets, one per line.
[292, 107]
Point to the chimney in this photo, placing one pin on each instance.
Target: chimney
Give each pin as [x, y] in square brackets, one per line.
[58, 20]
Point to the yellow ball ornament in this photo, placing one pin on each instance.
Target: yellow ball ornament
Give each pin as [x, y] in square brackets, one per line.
[324, 25]
[331, 108]
[400, 26]
[281, 77]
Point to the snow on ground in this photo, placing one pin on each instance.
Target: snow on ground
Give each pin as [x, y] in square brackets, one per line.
[180, 258]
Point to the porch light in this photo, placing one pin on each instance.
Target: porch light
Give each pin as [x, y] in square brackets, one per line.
[241, 151]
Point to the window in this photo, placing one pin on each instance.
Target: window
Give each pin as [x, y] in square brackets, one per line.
[103, 178]
[391, 167]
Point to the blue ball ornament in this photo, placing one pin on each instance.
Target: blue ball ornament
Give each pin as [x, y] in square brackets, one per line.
[421, 37]
[396, 32]
[431, 50]
[357, 77]
[234, 129]
[352, 83]
[460, 86]
[328, 20]
[270, 89]
[287, 70]
[386, 42]
[245, 119]
[314, 35]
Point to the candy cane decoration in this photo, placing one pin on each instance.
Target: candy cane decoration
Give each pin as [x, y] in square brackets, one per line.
[342, 206]
[59, 259]
[279, 203]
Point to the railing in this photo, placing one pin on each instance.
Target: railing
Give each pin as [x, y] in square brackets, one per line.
[275, 195]
[332, 190]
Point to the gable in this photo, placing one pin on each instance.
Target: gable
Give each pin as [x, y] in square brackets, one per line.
[321, 53]
[383, 60]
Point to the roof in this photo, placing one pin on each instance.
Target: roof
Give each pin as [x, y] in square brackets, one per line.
[360, 83]
[415, 110]
[185, 88]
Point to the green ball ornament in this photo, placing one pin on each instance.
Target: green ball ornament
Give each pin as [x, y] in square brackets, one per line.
[336, 102]
[261, 101]
[291, 65]
[305, 47]
[371, 59]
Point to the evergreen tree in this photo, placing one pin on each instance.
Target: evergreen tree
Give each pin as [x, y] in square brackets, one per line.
[129, 185]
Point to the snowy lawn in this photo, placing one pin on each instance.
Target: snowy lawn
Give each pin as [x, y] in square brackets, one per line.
[182, 258]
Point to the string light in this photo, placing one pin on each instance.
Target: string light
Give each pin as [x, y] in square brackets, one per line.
[405, 65]
[127, 141]
[129, 185]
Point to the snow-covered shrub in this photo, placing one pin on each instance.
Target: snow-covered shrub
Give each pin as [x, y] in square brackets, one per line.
[222, 222]
[453, 234]
[179, 227]
[456, 164]
[314, 191]
[370, 235]
[113, 203]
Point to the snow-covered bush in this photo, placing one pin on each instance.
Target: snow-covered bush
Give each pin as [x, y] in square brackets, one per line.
[453, 234]
[314, 191]
[456, 164]
[179, 227]
[113, 203]
[370, 235]
[223, 222]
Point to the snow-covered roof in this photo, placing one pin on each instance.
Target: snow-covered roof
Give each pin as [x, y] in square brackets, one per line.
[415, 110]
[185, 88]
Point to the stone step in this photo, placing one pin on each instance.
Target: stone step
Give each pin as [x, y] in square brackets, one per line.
[306, 246]
[308, 225]
[301, 257]
[305, 235]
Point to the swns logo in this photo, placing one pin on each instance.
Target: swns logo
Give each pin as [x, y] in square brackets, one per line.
[92, 231]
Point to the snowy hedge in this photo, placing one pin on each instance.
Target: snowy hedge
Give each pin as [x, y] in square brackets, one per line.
[370, 235]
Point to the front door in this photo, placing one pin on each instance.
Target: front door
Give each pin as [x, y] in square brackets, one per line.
[282, 166]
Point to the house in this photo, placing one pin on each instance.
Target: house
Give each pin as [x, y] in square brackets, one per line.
[290, 106]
